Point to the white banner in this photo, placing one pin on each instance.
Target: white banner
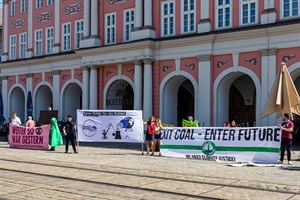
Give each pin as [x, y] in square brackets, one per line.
[110, 126]
[256, 144]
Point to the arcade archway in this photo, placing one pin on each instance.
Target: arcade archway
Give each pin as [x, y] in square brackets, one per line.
[178, 100]
[17, 103]
[236, 99]
[120, 96]
[43, 100]
[71, 100]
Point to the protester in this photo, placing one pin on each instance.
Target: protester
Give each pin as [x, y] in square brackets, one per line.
[55, 138]
[30, 123]
[226, 124]
[69, 131]
[15, 120]
[287, 127]
[150, 133]
[157, 136]
[49, 109]
[233, 123]
[190, 118]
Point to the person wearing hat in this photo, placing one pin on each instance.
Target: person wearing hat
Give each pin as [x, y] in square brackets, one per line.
[69, 132]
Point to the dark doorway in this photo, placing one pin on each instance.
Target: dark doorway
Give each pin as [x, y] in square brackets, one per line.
[186, 102]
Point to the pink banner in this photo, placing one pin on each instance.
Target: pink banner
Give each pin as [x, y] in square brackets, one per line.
[29, 138]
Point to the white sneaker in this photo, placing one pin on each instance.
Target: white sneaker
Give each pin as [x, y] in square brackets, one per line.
[280, 162]
[290, 163]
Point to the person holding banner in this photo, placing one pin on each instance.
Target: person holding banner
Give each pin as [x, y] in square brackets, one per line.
[55, 138]
[150, 133]
[287, 127]
[69, 131]
[30, 123]
[15, 120]
[157, 136]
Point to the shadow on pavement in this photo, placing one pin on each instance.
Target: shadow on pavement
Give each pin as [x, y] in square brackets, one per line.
[291, 168]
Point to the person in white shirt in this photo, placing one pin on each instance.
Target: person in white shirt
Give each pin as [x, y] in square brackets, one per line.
[15, 120]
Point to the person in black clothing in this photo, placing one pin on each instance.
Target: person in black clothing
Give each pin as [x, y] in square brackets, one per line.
[69, 131]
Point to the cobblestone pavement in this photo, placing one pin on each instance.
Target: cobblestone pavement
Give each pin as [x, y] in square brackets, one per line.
[111, 173]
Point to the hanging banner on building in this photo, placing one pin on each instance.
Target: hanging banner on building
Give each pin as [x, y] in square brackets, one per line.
[256, 144]
[29, 138]
[110, 126]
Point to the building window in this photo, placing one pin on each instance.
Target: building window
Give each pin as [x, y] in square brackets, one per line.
[128, 24]
[23, 6]
[249, 11]
[110, 28]
[38, 42]
[290, 8]
[78, 33]
[13, 8]
[39, 3]
[168, 18]
[22, 43]
[188, 15]
[50, 2]
[66, 37]
[223, 13]
[49, 40]
[13, 43]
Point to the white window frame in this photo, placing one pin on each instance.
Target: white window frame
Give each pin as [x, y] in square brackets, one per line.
[249, 2]
[168, 18]
[223, 7]
[38, 42]
[23, 6]
[38, 3]
[50, 2]
[290, 10]
[128, 24]
[49, 40]
[78, 33]
[13, 8]
[110, 27]
[13, 47]
[66, 37]
[188, 13]
[22, 45]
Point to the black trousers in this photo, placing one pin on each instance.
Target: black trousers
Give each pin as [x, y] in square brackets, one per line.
[70, 138]
[286, 144]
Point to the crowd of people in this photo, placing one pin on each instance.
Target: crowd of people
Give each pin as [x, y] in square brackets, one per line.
[153, 134]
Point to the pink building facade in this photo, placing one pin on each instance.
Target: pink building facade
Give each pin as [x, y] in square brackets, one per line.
[213, 59]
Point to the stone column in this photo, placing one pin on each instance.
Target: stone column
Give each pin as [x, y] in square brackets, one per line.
[204, 90]
[4, 56]
[86, 19]
[93, 88]
[268, 74]
[204, 25]
[147, 31]
[138, 96]
[138, 18]
[148, 14]
[147, 100]
[56, 92]
[56, 47]
[5, 96]
[269, 14]
[85, 88]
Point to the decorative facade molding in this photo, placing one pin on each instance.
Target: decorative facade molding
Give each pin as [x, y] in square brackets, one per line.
[45, 16]
[108, 73]
[221, 63]
[111, 2]
[18, 23]
[131, 71]
[252, 61]
[73, 9]
[166, 68]
[286, 58]
[192, 66]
